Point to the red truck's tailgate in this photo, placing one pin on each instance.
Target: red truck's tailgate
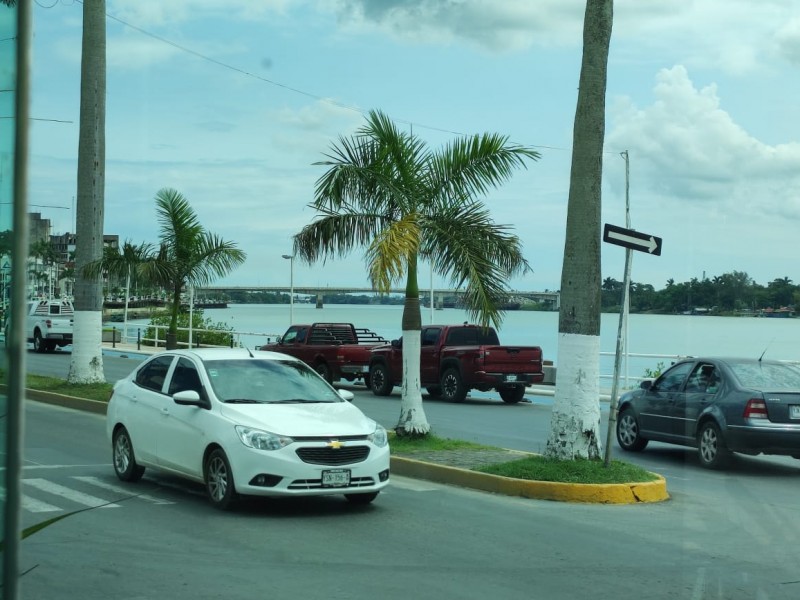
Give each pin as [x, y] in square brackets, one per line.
[512, 359]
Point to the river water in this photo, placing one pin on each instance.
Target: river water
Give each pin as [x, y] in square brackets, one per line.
[661, 336]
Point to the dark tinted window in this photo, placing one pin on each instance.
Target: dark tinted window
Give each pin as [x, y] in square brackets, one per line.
[184, 378]
[430, 336]
[153, 374]
[672, 380]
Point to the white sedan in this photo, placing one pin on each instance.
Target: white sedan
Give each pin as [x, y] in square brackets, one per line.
[245, 425]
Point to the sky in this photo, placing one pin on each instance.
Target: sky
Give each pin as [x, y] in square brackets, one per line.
[232, 103]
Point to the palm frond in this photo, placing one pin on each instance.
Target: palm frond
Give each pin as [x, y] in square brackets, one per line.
[388, 255]
[336, 234]
[465, 246]
[472, 166]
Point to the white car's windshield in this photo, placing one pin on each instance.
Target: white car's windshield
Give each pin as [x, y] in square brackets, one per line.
[267, 381]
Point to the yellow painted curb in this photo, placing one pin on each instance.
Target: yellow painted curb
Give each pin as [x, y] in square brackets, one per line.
[610, 493]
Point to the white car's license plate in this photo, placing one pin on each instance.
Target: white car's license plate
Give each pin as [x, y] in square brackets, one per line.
[336, 478]
[511, 377]
[794, 411]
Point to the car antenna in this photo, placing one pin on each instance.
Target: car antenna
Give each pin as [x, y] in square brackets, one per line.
[765, 349]
[248, 351]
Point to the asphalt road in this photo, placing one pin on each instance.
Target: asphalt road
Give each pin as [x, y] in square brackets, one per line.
[418, 540]
[724, 535]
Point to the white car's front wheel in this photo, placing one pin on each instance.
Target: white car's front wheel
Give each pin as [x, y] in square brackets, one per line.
[219, 481]
[361, 498]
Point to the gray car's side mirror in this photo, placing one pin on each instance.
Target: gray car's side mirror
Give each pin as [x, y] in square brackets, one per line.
[346, 395]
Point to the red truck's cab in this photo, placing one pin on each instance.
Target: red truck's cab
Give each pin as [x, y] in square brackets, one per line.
[457, 358]
[335, 350]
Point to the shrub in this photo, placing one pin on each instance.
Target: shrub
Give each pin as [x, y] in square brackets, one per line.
[213, 334]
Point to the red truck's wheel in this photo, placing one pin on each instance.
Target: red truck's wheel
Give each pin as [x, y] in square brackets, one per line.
[324, 371]
[380, 380]
[512, 394]
[453, 388]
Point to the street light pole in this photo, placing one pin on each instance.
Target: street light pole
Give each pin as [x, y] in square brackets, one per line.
[290, 258]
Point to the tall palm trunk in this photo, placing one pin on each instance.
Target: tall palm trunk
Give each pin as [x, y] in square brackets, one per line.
[412, 415]
[575, 421]
[87, 352]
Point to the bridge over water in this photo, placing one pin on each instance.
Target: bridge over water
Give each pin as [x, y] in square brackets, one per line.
[551, 299]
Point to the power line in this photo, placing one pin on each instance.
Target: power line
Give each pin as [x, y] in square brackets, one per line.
[236, 69]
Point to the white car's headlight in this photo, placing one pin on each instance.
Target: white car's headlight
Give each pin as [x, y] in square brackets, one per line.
[379, 437]
[262, 440]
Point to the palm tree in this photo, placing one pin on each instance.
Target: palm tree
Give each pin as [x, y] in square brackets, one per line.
[86, 364]
[386, 191]
[575, 421]
[126, 262]
[187, 255]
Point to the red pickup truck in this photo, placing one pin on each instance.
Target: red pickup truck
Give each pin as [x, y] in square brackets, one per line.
[457, 358]
[336, 350]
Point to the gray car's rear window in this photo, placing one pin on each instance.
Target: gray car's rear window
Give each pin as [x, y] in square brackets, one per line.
[767, 376]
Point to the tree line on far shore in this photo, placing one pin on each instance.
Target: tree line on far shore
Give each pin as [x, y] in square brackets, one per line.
[734, 292]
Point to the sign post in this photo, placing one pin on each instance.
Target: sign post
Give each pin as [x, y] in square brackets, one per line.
[630, 240]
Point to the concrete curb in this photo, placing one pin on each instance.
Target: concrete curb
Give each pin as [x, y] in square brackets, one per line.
[620, 493]
[611, 493]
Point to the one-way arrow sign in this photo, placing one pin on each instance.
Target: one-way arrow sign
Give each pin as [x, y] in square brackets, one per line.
[635, 240]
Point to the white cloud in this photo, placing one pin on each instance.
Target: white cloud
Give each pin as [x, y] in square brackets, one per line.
[154, 13]
[787, 39]
[496, 26]
[687, 147]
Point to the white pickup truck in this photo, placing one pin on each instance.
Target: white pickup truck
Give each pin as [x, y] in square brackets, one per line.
[49, 324]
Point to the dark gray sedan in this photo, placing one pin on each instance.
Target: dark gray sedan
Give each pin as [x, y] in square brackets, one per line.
[719, 406]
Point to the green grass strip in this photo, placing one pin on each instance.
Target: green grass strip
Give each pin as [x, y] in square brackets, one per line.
[540, 468]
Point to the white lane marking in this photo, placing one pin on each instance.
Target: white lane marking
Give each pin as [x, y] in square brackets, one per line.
[31, 504]
[120, 490]
[37, 506]
[69, 494]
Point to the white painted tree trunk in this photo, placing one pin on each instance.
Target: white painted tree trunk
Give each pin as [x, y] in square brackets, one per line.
[86, 365]
[412, 416]
[87, 351]
[575, 421]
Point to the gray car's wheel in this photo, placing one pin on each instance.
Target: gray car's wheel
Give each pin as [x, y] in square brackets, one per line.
[219, 481]
[38, 342]
[361, 499]
[711, 447]
[380, 381]
[452, 385]
[628, 436]
[124, 458]
[512, 394]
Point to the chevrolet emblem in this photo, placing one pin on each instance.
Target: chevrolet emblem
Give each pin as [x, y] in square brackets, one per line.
[335, 444]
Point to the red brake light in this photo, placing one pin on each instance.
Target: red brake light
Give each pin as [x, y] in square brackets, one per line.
[756, 409]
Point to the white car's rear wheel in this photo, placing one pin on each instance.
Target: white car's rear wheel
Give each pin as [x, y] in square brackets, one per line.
[124, 458]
